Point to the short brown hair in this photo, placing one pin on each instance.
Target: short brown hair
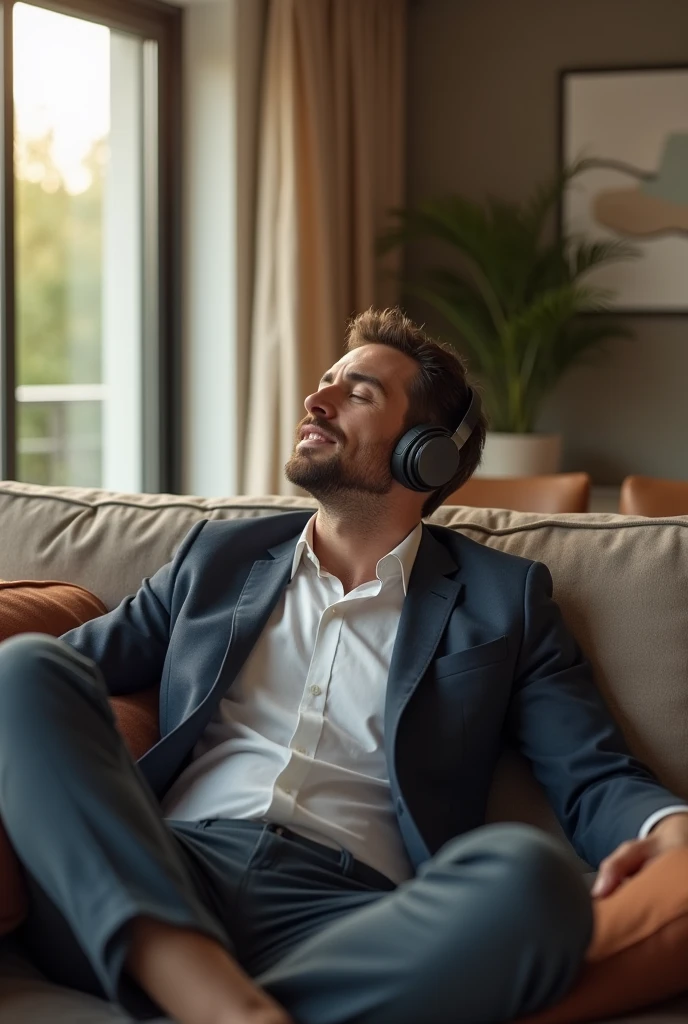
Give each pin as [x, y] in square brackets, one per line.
[438, 394]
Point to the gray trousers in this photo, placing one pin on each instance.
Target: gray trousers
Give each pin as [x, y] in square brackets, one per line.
[494, 926]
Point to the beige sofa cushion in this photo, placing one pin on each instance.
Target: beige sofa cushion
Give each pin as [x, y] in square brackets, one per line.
[622, 584]
[27, 998]
[112, 540]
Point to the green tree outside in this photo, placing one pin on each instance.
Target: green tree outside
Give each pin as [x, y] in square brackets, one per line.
[58, 239]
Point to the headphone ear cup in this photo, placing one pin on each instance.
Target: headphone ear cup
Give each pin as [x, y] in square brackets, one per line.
[436, 461]
[401, 456]
[425, 458]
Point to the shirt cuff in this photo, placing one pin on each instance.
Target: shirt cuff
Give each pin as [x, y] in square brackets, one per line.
[657, 817]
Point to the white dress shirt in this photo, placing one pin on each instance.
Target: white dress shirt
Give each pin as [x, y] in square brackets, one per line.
[298, 739]
[655, 819]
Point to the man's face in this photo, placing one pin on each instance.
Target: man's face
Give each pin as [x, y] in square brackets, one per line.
[354, 420]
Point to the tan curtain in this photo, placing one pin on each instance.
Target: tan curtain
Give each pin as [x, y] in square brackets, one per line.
[331, 164]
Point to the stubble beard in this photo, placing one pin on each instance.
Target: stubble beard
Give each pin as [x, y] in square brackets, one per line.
[340, 487]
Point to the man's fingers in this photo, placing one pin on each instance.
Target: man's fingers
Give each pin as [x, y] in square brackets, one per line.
[627, 860]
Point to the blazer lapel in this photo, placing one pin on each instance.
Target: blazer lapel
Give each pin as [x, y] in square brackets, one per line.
[429, 602]
[259, 595]
[261, 591]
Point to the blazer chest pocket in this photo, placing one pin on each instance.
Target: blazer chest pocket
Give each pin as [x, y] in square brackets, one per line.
[490, 653]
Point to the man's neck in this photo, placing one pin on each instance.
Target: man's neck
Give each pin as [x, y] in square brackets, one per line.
[351, 548]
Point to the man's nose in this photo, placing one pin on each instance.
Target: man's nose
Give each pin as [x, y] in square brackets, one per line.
[322, 403]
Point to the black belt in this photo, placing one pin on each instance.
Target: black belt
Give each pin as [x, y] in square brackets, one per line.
[356, 868]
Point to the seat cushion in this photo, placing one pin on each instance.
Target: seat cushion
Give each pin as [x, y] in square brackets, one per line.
[27, 998]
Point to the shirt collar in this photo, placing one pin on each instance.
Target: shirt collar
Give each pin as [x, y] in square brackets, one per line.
[397, 563]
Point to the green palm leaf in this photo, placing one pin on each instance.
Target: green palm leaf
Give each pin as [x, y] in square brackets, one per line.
[585, 256]
[536, 209]
[513, 301]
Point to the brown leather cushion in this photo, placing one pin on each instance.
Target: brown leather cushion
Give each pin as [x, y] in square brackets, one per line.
[34, 606]
[639, 951]
[45, 606]
[650, 496]
[137, 720]
[555, 492]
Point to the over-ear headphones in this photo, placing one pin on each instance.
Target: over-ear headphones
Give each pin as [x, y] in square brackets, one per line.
[427, 457]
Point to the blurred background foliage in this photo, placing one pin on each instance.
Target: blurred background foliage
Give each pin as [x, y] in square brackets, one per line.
[59, 266]
[58, 243]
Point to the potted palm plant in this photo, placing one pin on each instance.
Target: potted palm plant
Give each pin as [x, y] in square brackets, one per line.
[513, 298]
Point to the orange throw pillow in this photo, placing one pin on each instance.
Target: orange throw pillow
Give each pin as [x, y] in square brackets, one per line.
[137, 719]
[639, 952]
[45, 606]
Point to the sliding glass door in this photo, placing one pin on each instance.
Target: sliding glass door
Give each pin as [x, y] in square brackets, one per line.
[90, 325]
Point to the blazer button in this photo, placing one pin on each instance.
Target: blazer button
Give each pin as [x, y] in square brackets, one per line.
[400, 806]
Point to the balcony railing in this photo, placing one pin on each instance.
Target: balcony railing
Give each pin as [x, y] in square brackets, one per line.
[61, 392]
[61, 442]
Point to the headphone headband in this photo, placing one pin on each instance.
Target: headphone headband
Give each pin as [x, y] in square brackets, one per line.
[468, 423]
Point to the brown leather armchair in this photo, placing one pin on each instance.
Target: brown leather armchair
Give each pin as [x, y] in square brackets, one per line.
[555, 492]
[650, 496]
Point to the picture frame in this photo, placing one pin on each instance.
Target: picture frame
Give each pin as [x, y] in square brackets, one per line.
[630, 125]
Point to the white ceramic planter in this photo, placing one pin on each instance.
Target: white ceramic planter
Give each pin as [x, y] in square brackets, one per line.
[520, 454]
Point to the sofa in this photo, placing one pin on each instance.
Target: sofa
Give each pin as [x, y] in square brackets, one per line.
[622, 583]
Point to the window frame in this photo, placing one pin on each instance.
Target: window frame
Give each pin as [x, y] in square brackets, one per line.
[161, 23]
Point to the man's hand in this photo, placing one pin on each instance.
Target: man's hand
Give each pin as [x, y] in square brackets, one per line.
[629, 858]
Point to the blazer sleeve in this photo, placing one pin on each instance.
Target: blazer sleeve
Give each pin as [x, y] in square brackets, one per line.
[129, 644]
[600, 792]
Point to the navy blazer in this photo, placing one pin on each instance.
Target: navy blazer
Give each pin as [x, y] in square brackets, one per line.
[481, 658]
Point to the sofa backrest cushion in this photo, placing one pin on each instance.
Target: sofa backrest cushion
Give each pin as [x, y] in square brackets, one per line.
[622, 584]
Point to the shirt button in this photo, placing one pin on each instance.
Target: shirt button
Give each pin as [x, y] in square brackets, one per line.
[300, 750]
[315, 690]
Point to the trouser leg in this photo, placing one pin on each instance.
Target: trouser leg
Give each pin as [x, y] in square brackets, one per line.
[83, 822]
[495, 926]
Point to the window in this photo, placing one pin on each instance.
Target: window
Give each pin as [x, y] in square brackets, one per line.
[90, 328]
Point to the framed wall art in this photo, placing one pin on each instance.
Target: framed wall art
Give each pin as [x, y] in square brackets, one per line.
[631, 124]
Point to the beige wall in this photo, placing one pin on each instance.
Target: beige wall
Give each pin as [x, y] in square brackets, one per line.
[483, 118]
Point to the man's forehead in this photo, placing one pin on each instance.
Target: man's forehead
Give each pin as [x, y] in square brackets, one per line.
[385, 362]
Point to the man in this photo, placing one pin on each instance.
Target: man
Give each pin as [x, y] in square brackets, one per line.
[335, 692]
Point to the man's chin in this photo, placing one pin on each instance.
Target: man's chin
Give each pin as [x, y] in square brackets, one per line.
[305, 470]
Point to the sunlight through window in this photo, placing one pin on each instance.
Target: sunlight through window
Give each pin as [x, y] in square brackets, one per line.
[79, 209]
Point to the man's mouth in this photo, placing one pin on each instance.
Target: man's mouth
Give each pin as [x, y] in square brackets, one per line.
[314, 438]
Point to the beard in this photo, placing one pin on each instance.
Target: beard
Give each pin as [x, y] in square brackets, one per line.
[333, 482]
